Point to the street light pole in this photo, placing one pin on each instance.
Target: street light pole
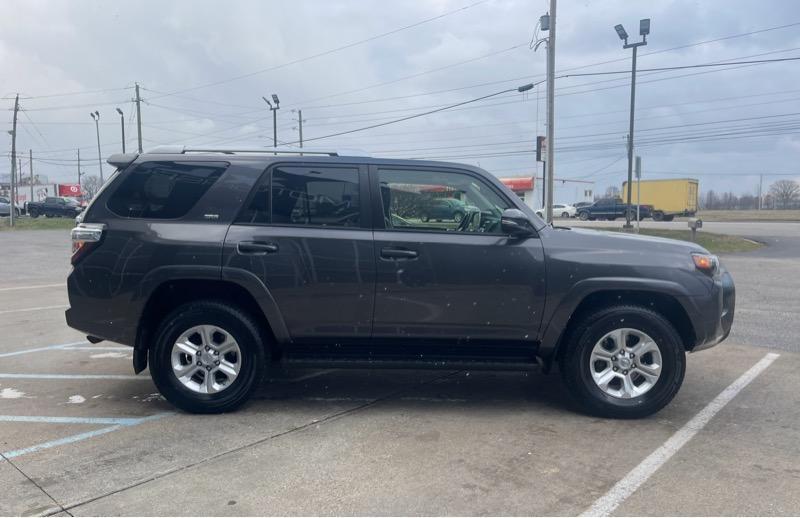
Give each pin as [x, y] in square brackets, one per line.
[96, 117]
[122, 125]
[274, 109]
[644, 30]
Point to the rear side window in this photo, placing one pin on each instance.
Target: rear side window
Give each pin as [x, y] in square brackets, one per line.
[163, 190]
[313, 196]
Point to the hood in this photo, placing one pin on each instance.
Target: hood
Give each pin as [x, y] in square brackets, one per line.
[625, 240]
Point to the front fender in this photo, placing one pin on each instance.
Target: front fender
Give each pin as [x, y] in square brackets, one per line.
[551, 337]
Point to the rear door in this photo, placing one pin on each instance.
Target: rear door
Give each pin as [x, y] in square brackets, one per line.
[305, 233]
[448, 282]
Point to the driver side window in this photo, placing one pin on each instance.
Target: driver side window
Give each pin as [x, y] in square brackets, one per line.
[440, 201]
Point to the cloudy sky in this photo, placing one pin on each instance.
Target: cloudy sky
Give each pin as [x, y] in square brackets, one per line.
[203, 67]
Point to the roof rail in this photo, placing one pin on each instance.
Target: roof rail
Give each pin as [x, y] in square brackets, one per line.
[182, 150]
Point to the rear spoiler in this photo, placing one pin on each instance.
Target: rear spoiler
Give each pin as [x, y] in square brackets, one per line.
[122, 160]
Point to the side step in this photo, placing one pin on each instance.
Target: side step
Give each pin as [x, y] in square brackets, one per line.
[432, 364]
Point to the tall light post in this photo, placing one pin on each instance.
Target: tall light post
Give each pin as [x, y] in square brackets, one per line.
[274, 109]
[644, 30]
[96, 117]
[122, 126]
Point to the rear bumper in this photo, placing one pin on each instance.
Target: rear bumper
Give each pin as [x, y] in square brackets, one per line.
[717, 313]
[94, 312]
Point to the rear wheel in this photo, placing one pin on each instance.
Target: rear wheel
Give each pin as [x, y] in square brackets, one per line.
[565, 214]
[208, 357]
[623, 362]
[658, 216]
[425, 218]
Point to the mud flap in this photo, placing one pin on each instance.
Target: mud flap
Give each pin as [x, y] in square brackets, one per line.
[139, 360]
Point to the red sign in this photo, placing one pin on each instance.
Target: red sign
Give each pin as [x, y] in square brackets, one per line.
[518, 184]
[69, 189]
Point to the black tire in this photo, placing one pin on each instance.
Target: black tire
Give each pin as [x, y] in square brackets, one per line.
[576, 367]
[239, 325]
[458, 216]
[658, 216]
[565, 214]
[34, 214]
[425, 218]
[583, 215]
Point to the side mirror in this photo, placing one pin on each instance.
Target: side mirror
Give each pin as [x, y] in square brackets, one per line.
[515, 223]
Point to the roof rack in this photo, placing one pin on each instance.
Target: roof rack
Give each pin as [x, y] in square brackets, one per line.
[181, 150]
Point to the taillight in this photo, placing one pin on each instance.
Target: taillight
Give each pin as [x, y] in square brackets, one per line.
[85, 237]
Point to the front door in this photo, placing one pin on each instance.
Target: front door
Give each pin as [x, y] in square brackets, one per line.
[305, 233]
[453, 282]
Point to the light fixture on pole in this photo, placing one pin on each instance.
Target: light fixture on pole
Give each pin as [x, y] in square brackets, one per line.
[644, 30]
[96, 117]
[274, 109]
[122, 125]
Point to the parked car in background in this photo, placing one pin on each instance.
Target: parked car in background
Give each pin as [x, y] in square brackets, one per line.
[213, 264]
[55, 207]
[669, 198]
[5, 207]
[440, 209]
[560, 210]
[611, 209]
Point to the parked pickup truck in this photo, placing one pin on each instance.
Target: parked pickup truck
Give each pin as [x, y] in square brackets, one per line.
[613, 208]
[54, 207]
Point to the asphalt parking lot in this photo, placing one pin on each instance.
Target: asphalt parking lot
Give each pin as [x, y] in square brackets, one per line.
[81, 435]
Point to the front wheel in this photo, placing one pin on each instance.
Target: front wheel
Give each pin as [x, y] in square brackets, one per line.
[583, 216]
[34, 214]
[623, 362]
[458, 216]
[208, 357]
[425, 218]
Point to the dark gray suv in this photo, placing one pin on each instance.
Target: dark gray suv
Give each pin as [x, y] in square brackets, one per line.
[211, 264]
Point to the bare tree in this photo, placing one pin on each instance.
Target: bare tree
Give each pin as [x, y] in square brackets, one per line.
[612, 192]
[785, 192]
[90, 185]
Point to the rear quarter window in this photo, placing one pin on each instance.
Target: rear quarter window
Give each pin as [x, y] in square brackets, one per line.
[163, 190]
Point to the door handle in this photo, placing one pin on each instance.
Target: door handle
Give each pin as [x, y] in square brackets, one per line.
[398, 253]
[256, 248]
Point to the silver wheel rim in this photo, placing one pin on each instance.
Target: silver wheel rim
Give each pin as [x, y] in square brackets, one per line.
[206, 359]
[625, 363]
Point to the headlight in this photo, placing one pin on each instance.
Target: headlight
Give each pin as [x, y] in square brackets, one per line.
[706, 263]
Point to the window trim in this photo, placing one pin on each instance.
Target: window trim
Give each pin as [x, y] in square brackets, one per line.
[377, 213]
[132, 169]
[365, 221]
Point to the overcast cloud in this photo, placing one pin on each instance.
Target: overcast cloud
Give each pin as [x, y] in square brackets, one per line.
[58, 47]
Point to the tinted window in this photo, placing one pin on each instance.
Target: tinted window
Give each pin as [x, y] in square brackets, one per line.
[463, 202]
[318, 196]
[163, 190]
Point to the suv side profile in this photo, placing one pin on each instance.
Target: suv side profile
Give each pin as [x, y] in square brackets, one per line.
[212, 264]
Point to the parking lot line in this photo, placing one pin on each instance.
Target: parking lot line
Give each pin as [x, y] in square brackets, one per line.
[119, 423]
[39, 308]
[19, 376]
[606, 504]
[38, 286]
[40, 349]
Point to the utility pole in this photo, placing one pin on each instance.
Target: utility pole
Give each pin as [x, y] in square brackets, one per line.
[96, 116]
[300, 125]
[13, 160]
[644, 30]
[30, 165]
[760, 190]
[79, 169]
[139, 117]
[551, 125]
[638, 190]
[122, 125]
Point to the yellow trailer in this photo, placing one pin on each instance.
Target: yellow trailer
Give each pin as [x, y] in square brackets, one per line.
[669, 198]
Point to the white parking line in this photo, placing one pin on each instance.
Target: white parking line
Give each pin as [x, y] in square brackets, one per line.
[15, 288]
[118, 423]
[39, 308]
[40, 349]
[606, 504]
[16, 376]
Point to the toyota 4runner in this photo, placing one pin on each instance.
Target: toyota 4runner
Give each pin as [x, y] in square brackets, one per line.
[211, 264]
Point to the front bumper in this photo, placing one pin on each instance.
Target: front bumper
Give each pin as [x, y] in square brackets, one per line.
[718, 311]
